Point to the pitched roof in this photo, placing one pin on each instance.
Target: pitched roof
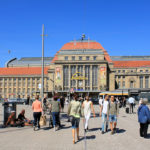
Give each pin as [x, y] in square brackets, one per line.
[129, 58]
[107, 57]
[131, 64]
[82, 45]
[23, 71]
[28, 62]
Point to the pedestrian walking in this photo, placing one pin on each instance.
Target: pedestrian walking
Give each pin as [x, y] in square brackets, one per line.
[100, 105]
[28, 100]
[37, 112]
[55, 108]
[44, 104]
[87, 107]
[112, 114]
[131, 101]
[74, 111]
[62, 102]
[104, 114]
[140, 101]
[143, 118]
[124, 102]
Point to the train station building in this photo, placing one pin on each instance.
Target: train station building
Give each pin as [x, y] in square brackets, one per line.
[82, 66]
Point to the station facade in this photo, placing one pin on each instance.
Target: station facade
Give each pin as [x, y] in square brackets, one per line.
[82, 66]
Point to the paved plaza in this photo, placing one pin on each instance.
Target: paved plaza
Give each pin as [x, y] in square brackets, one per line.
[46, 139]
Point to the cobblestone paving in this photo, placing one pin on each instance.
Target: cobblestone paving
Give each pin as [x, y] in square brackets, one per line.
[25, 138]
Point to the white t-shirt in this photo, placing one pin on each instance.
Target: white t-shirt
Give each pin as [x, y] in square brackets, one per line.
[105, 105]
[131, 100]
[100, 101]
[87, 107]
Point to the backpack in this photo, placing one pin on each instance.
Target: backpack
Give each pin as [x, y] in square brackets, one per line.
[44, 101]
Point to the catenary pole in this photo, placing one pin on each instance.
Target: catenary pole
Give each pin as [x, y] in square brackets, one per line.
[42, 74]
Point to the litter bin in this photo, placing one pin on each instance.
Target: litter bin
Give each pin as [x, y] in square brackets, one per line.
[8, 107]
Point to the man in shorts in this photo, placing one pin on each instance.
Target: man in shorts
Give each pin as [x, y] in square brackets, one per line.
[112, 114]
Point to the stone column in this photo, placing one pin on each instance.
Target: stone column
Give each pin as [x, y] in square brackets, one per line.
[111, 81]
[69, 78]
[143, 81]
[76, 80]
[90, 77]
[83, 76]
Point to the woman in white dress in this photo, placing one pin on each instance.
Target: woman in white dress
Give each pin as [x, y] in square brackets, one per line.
[87, 107]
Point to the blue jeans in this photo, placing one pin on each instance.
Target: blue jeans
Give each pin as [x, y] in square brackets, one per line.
[112, 118]
[75, 122]
[55, 116]
[104, 122]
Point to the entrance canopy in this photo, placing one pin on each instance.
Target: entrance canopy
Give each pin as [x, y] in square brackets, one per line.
[115, 93]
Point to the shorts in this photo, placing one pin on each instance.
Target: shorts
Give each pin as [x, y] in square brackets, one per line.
[75, 122]
[112, 118]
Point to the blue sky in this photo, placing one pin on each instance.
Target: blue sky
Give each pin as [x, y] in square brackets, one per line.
[121, 26]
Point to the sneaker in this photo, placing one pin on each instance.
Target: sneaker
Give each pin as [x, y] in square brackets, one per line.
[54, 128]
[34, 128]
[38, 128]
[112, 132]
[102, 132]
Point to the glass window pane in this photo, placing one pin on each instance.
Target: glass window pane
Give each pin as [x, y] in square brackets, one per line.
[141, 82]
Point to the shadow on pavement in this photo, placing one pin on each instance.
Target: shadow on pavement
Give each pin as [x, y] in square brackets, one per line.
[91, 137]
[87, 138]
[124, 116]
[94, 129]
[96, 115]
[46, 128]
[64, 127]
[120, 130]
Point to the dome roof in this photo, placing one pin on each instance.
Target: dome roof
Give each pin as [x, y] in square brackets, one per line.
[82, 44]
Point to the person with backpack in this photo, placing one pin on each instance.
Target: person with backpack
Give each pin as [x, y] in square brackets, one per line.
[55, 108]
[103, 110]
[143, 118]
[112, 114]
[74, 111]
[87, 106]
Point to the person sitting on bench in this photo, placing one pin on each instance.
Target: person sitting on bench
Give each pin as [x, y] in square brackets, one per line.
[23, 119]
[12, 121]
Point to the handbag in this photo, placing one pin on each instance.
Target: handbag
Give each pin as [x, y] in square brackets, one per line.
[43, 120]
[71, 118]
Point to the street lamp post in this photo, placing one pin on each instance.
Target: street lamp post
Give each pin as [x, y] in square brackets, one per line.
[42, 74]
